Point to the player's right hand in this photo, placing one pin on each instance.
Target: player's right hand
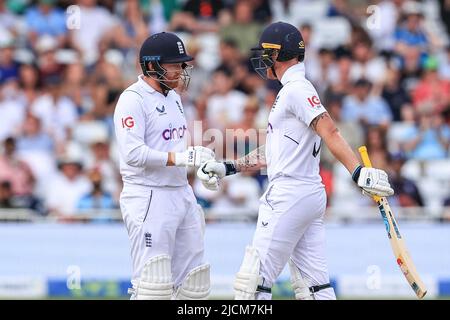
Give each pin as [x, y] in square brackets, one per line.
[374, 182]
[193, 156]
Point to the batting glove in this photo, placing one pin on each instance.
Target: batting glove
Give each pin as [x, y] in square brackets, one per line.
[193, 156]
[212, 171]
[373, 182]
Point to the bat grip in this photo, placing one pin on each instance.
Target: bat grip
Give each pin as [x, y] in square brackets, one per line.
[367, 163]
[365, 156]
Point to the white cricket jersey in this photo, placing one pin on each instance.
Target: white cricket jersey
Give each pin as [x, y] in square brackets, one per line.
[148, 125]
[292, 147]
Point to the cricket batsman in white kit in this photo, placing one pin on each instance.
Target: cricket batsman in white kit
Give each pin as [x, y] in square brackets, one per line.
[290, 227]
[164, 223]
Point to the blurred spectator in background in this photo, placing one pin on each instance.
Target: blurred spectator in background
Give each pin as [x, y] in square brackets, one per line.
[199, 75]
[57, 112]
[245, 131]
[262, 12]
[198, 16]
[365, 108]
[46, 19]
[14, 170]
[106, 89]
[96, 21]
[243, 30]
[383, 32]
[320, 73]
[366, 64]
[29, 82]
[407, 193]
[48, 64]
[12, 114]
[67, 187]
[7, 20]
[230, 56]
[20, 179]
[429, 138]
[6, 196]
[37, 148]
[411, 69]
[340, 80]
[9, 68]
[129, 33]
[33, 138]
[342, 8]
[77, 88]
[431, 92]
[97, 198]
[410, 34]
[225, 105]
[101, 161]
[377, 146]
[395, 95]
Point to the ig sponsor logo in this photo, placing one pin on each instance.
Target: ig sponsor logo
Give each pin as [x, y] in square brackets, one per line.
[128, 122]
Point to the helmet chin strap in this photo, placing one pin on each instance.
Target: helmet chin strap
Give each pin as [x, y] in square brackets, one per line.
[275, 74]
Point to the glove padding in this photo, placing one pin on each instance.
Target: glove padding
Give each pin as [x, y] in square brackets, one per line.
[193, 156]
[210, 174]
[374, 182]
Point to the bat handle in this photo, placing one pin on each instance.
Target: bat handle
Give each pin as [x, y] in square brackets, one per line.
[365, 156]
[367, 163]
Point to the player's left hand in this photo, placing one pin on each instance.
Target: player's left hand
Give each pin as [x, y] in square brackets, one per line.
[374, 182]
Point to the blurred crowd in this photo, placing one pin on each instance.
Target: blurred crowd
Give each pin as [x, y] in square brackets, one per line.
[382, 70]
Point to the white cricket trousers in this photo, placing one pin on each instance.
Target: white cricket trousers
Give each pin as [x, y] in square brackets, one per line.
[163, 220]
[290, 224]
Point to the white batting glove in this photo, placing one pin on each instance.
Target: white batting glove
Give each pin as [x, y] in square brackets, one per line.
[210, 168]
[212, 183]
[209, 178]
[373, 182]
[193, 156]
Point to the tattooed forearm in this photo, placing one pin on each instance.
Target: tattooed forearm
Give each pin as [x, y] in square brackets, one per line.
[317, 119]
[255, 160]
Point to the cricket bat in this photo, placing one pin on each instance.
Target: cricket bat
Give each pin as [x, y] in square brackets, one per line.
[401, 254]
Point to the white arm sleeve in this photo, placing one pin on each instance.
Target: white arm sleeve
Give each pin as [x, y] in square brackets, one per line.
[129, 124]
[305, 104]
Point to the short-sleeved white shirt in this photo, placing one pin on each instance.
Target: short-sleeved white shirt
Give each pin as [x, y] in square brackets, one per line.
[292, 147]
[145, 117]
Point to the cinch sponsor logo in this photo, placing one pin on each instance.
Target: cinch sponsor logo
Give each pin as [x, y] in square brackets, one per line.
[174, 133]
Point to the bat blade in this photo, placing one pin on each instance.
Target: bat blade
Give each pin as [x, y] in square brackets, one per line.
[403, 259]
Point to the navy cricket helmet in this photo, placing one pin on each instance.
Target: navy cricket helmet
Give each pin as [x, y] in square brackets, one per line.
[160, 48]
[282, 37]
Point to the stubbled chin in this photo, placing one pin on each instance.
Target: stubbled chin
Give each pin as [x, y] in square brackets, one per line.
[174, 84]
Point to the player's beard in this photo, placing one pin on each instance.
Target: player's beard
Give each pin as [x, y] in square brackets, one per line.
[172, 83]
